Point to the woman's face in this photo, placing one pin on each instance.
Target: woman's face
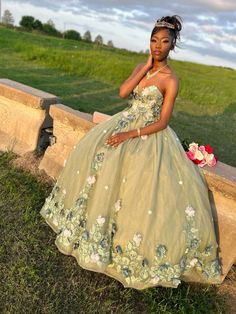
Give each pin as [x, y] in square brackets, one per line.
[160, 44]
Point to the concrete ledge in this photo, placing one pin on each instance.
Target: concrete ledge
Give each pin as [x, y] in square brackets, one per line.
[221, 180]
[24, 114]
[69, 126]
[26, 95]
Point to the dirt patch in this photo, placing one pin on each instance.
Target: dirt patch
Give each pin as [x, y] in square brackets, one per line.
[228, 290]
[30, 161]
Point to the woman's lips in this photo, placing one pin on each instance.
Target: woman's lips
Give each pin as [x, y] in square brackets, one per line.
[157, 52]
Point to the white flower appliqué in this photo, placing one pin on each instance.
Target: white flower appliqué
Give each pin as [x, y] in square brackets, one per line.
[125, 113]
[117, 205]
[94, 257]
[193, 262]
[137, 238]
[190, 211]
[155, 280]
[91, 179]
[101, 220]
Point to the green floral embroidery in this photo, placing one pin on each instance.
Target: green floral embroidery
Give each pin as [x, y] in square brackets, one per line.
[96, 245]
[146, 106]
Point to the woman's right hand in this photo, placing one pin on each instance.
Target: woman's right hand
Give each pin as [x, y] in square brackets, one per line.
[149, 62]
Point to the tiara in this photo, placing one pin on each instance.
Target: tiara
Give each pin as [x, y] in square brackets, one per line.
[164, 24]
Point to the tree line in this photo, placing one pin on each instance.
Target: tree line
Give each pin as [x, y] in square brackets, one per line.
[29, 23]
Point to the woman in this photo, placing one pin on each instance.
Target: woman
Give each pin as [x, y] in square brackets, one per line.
[129, 203]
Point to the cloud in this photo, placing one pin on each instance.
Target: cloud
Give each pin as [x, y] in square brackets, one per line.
[209, 27]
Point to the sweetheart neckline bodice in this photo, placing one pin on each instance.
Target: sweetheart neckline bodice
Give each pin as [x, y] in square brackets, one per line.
[140, 92]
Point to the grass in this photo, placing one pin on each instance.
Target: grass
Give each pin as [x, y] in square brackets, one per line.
[87, 78]
[36, 278]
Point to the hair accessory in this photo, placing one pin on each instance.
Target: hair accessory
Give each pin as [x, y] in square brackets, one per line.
[164, 24]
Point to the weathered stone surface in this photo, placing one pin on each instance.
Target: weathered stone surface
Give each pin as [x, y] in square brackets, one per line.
[24, 113]
[26, 95]
[221, 180]
[69, 126]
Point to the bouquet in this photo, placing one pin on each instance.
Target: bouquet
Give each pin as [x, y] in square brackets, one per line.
[201, 155]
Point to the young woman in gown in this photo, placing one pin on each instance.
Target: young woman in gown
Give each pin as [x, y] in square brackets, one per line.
[129, 203]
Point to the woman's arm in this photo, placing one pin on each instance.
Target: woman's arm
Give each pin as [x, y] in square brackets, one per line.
[166, 111]
[127, 87]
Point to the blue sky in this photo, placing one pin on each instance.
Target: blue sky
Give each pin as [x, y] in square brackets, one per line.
[209, 26]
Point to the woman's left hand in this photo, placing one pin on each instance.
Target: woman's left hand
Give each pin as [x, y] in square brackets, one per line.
[117, 138]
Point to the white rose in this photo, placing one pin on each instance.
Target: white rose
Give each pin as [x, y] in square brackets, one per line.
[198, 155]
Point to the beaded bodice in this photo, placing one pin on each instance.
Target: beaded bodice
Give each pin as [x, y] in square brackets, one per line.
[147, 102]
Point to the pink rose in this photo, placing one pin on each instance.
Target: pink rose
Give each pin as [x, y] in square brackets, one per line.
[211, 161]
[190, 155]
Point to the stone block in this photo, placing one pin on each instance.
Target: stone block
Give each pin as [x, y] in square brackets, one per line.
[69, 126]
[221, 180]
[24, 116]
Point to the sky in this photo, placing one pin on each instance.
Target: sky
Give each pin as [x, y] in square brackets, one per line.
[208, 35]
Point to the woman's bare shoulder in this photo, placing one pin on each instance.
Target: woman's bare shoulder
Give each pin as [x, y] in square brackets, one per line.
[138, 67]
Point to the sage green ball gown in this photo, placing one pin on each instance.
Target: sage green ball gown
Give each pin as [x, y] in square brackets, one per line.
[138, 212]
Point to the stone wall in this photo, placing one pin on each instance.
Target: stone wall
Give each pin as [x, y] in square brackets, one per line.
[69, 126]
[26, 111]
[24, 116]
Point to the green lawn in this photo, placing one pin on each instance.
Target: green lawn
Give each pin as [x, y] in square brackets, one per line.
[36, 278]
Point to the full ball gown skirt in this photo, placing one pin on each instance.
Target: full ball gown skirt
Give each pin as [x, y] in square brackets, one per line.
[138, 212]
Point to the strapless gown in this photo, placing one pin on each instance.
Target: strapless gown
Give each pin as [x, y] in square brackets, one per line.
[140, 212]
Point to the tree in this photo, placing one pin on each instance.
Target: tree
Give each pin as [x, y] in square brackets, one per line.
[98, 40]
[72, 34]
[7, 18]
[27, 22]
[110, 43]
[50, 22]
[38, 25]
[87, 36]
[49, 28]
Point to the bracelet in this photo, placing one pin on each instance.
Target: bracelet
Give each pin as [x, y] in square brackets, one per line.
[138, 130]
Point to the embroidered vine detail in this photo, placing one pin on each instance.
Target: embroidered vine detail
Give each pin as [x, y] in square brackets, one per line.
[96, 245]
